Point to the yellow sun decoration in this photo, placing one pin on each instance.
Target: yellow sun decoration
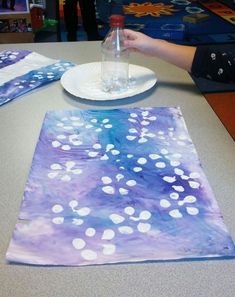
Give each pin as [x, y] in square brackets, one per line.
[148, 8]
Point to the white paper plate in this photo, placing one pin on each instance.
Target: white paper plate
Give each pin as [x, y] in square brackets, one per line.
[84, 81]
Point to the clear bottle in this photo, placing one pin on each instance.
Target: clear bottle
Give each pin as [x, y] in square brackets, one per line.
[115, 58]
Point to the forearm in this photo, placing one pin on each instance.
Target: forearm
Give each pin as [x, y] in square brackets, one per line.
[179, 55]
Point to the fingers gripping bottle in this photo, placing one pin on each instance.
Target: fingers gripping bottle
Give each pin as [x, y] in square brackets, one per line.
[115, 58]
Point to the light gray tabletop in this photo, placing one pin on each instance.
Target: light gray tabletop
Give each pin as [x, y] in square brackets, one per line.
[20, 123]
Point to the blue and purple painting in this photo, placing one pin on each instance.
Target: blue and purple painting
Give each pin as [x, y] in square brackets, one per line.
[22, 71]
[111, 186]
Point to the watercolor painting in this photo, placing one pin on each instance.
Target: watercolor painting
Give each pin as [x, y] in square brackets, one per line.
[22, 71]
[117, 186]
[14, 6]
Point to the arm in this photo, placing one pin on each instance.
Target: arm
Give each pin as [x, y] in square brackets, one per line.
[179, 55]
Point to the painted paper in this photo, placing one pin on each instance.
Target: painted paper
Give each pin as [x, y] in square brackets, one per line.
[122, 185]
[22, 71]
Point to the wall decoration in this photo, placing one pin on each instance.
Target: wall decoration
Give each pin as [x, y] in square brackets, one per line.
[14, 6]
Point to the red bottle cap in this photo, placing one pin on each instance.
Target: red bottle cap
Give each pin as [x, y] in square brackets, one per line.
[116, 20]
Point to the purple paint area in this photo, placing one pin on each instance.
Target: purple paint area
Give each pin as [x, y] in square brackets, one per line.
[9, 57]
[113, 186]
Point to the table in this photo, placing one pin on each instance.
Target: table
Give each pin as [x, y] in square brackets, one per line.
[20, 123]
[224, 106]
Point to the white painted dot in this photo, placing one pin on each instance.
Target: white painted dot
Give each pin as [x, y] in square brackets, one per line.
[89, 255]
[68, 127]
[61, 137]
[108, 126]
[165, 203]
[174, 196]
[73, 203]
[109, 147]
[174, 163]
[123, 191]
[192, 210]
[143, 227]
[84, 211]
[104, 157]
[131, 183]
[90, 232]
[73, 118]
[98, 130]
[70, 164]
[52, 174]
[125, 230]
[57, 208]
[130, 137]
[56, 143]
[108, 234]
[119, 176]
[97, 146]
[132, 130]
[129, 156]
[164, 151]
[94, 121]
[145, 113]
[137, 169]
[78, 222]
[58, 220]
[194, 185]
[154, 156]
[106, 180]
[175, 213]
[105, 121]
[145, 215]
[89, 126]
[109, 249]
[145, 123]
[65, 178]
[77, 171]
[78, 243]
[178, 188]
[160, 165]
[129, 210]
[93, 154]
[66, 147]
[56, 166]
[184, 177]
[178, 171]
[142, 161]
[169, 179]
[194, 175]
[142, 140]
[190, 199]
[108, 190]
[116, 218]
[115, 152]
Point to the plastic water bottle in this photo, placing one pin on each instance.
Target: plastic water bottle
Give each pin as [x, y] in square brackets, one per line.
[115, 58]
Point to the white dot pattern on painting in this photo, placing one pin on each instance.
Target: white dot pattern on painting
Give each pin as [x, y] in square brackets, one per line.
[90, 232]
[108, 234]
[57, 208]
[137, 222]
[89, 255]
[78, 243]
[64, 172]
[106, 180]
[125, 230]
